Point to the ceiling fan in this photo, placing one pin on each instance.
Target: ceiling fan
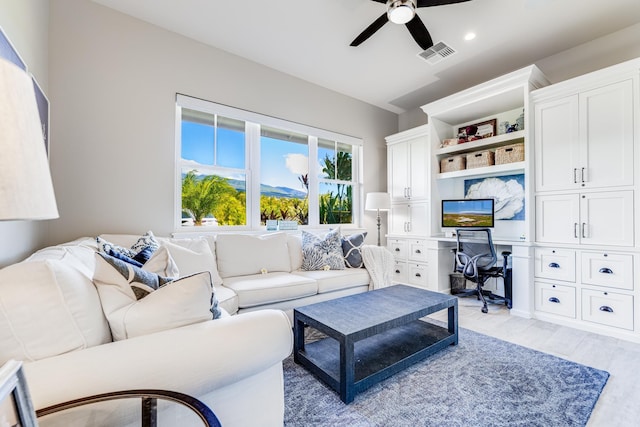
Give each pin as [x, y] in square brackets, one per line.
[404, 12]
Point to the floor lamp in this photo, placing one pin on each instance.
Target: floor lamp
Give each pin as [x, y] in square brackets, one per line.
[26, 190]
[377, 202]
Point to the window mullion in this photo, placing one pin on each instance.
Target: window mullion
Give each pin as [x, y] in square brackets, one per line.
[314, 206]
[252, 132]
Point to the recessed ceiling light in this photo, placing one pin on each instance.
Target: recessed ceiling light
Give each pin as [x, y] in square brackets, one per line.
[470, 36]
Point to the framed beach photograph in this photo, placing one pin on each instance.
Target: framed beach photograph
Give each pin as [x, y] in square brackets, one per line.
[43, 110]
[7, 51]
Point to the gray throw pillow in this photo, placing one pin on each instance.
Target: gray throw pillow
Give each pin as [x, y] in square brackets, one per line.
[352, 250]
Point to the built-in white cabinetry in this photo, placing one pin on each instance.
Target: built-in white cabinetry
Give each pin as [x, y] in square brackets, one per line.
[408, 183]
[596, 218]
[407, 157]
[585, 140]
[411, 265]
[409, 218]
[586, 201]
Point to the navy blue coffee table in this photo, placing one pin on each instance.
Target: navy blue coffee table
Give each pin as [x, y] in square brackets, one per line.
[372, 335]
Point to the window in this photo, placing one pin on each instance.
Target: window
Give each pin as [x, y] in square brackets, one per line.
[241, 169]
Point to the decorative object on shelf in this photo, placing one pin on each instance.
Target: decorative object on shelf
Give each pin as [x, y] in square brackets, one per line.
[378, 202]
[509, 154]
[287, 225]
[26, 189]
[453, 164]
[480, 130]
[520, 121]
[450, 141]
[507, 191]
[480, 159]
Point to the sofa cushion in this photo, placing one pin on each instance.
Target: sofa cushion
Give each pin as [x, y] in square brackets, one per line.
[244, 254]
[146, 241]
[352, 249]
[193, 256]
[322, 253]
[227, 299]
[137, 302]
[49, 307]
[294, 243]
[267, 288]
[334, 280]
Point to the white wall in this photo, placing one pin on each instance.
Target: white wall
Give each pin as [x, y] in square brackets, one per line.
[26, 23]
[609, 50]
[113, 82]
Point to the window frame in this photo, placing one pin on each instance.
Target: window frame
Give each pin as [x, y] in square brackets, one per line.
[253, 122]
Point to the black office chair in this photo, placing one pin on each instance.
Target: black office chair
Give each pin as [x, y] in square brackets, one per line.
[475, 257]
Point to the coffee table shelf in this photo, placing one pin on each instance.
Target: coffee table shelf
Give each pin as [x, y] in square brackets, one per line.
[372, 336]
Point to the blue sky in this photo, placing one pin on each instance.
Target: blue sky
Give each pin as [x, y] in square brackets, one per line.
[278, 158]
[467, 206]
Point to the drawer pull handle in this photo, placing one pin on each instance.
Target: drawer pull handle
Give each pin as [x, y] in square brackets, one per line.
[554, 265]
[398, 271]
[418, 275]
[397, 249]
[418, 251]
[605, 270]
[554, 300]
[606, 308]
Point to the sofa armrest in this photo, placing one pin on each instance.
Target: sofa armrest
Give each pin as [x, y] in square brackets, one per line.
[194, 359]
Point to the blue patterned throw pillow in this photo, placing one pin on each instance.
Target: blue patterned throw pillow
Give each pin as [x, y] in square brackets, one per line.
[352, 250]
[322, 253]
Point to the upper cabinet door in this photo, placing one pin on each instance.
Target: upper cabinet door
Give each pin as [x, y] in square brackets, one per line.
[585, 140]
[557, 151]
[606, 127]
[418, 169]
[398, 160]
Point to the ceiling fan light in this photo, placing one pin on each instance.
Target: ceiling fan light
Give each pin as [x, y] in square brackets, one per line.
[401, 11]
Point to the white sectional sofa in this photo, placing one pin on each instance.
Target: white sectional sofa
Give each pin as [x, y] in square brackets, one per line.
[52, 317]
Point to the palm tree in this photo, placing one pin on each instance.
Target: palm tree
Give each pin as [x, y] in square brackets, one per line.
[200, 196]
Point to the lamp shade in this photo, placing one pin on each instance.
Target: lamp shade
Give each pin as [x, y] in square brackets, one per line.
[26, 190]
[377, 202]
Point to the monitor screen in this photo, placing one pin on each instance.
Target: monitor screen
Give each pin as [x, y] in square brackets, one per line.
[467, 213]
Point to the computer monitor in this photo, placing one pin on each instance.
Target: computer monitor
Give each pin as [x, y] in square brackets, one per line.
[459, 213]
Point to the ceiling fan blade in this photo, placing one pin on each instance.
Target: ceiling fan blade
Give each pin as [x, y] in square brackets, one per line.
[419, 33]
[370, 30]
[429, 3]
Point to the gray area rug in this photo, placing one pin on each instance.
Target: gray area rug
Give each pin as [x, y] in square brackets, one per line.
[481, 382]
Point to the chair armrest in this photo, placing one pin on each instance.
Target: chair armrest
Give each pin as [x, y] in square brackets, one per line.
[194, 359]
[149, 404]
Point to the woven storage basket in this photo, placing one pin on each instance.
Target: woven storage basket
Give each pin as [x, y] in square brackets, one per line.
[480, 159]
[452, 164]
[510, 153]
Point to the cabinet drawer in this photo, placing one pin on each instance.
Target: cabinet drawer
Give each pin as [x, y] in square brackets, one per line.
[605, 269]
[418, 275]
[400, 272]
[607, 308]
[398, 248]
[555, 299]
[418, 250]
[556, 264]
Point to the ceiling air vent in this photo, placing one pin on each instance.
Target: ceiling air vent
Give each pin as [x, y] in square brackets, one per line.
[437, 53]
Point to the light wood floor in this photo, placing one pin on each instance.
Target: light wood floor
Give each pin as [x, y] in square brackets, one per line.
[619, 403]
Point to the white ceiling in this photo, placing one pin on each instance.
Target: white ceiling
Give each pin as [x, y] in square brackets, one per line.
[309, 39]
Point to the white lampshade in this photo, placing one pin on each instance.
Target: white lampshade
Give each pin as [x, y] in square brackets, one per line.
[377, 202]
[26, 190]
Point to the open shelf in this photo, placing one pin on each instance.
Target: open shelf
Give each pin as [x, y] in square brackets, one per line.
[484, 171]
[491, 142]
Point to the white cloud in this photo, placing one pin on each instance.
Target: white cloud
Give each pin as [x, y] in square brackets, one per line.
[297, 163]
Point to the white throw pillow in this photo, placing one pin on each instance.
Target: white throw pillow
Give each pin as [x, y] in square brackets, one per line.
[194, 256]
[244, 254]
[138, 302]
[162, 264]
[47, 308]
